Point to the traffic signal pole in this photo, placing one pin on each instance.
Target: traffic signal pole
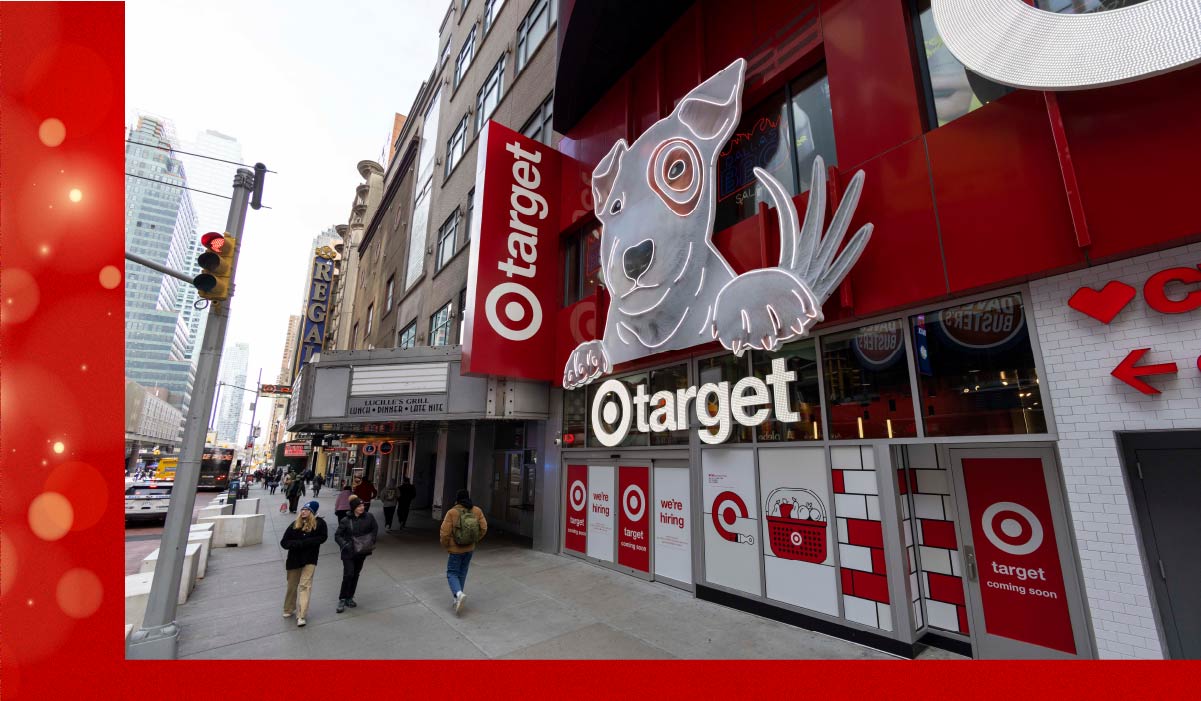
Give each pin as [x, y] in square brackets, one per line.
[158, 638]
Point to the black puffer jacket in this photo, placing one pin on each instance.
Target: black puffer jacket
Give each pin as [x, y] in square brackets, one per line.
[352, 526]
[302, 547]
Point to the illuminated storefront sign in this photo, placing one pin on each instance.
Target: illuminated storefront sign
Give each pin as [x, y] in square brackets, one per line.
[316, 309]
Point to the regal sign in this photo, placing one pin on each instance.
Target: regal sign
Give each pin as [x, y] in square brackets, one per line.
[316, 309]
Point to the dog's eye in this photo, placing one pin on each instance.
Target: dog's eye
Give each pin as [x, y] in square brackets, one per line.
[676, 170]
[615, 207]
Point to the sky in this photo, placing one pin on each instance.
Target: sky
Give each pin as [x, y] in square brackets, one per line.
[307, 88]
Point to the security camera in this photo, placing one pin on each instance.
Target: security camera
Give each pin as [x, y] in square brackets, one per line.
[558, 441]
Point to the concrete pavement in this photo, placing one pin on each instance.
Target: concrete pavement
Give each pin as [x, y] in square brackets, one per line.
[521, 604]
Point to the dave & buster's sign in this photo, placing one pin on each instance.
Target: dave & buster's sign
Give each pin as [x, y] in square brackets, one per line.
[513, 284]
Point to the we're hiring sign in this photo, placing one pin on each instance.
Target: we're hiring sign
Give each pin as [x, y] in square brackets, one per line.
[515, 282]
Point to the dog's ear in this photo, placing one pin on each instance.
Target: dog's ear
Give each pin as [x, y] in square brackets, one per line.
[712, 109]
[605, 174]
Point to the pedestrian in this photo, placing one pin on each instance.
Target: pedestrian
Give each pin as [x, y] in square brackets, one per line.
[303, 541]
[388, 498]
[300, 478]
[294, 491]
[365, 490]
[272, 482]
[342, 503]
[318, 483]
[463, 527]
[356, 537]
[405, 496]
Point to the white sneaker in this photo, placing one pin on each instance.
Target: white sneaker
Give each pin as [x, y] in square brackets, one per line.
[459, 599]
[287, 614]
[300, 622]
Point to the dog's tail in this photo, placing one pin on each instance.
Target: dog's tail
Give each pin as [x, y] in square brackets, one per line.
[803, 249]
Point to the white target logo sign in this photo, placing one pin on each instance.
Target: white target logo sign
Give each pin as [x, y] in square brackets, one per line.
[633, 500]
[796, 538]
[577, 494]
[1012, 528]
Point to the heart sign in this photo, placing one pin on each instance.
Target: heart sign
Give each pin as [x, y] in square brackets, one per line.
[1104, 305]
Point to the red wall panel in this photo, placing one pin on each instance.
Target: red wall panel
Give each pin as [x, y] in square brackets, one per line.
[1137, 152]
[1002, 209]
[596, 133]
[729, 33]
[682, 48]
[873, 90]
[644, 93]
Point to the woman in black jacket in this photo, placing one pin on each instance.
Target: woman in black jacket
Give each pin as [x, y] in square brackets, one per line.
[302, 540]
[356, 536]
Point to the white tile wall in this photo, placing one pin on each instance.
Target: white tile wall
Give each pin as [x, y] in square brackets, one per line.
[855, 557]
[860, 610]
[860, 482]
[1090, 406]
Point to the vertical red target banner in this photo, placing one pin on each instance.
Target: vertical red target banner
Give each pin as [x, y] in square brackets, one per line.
[1021, 581]
[576, 512]
[633, 518]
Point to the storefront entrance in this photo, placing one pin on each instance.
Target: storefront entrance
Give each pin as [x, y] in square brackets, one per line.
[1023, 593]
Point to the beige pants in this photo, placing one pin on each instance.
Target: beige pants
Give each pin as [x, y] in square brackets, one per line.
[299, 581]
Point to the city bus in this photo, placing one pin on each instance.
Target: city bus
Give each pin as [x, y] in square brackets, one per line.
[215, 465]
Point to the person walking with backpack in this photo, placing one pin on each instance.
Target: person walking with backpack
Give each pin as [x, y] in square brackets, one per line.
[293, 492]
[302, 540]
[388, 497]
[342, 503]
[318, 483]
[463, 527]
[356, 536]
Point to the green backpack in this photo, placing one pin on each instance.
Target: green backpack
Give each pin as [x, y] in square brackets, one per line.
[467, 532]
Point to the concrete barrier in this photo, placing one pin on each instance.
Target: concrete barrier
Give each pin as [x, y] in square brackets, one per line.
[236, 530]
[247, 506]
[128, 632]
[217, 510]
[205, 539]
[187, 578]
[137, 591]
[201, 527]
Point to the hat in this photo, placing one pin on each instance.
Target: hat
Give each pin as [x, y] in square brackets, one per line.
[311, 506]
[354, 502]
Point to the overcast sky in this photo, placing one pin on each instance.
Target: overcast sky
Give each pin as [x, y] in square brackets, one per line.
[309, 89]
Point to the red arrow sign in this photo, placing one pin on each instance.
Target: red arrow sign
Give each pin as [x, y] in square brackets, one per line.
[1128, 373]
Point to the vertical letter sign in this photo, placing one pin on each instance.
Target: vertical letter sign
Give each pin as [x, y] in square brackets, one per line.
[633, 518]
[316, 309]
[576, 536]
[514, 275]
[1021, 582]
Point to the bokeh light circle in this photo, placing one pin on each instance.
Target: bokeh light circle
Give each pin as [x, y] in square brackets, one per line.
[20, 295]
[75, 195]
[110, 277]
[52, 132]
[50, 515]
[84, 487]
[59, 447]
[79, 593]
[8, 563]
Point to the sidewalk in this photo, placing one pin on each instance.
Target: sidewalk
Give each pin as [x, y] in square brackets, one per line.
[521, 604]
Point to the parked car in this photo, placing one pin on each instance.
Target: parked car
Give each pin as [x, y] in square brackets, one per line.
[147, 501]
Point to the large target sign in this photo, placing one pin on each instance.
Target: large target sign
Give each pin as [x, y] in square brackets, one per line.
[633, 518]
[576, 535]
[1021, 581]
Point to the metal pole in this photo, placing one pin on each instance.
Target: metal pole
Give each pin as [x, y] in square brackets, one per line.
[155, 266]
[253, 409]
[158, 638]
[216, 409]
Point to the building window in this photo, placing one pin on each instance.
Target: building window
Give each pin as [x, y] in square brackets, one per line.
[354, 337]
[370, 314]
[465, 3]
[446, 241]
[539, 126]
[799, 357]
[462, 309]
[491, 10]
[866, 373]
[388, 304]
[533, 30]
[465, 55]
[782, 135]
[581, 264]
[976, 371]
[575, 417]
[1081, 7]
[455, 145]
[445, 53]
[408, 337]
[470, 214]
[440, 326]
[721, 368]
[633, 438]
[950, 90]
[490, 95]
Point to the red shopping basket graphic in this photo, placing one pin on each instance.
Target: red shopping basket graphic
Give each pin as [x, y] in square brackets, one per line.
[796, 527]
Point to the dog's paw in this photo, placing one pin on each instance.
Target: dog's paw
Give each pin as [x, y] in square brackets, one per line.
[761, 308]
[586, 363]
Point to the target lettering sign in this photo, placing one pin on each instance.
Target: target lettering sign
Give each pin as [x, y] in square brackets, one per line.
[633, 518]
[576, 535]
[514, 271]
[1021, 581]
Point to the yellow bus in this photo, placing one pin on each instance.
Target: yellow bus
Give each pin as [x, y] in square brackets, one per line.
[215, 465]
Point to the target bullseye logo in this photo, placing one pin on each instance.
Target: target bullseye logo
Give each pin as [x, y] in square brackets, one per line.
[633, 500]
[578, 494]
[796, 538]
[514, 320]
[613, 404]
[1016, 537]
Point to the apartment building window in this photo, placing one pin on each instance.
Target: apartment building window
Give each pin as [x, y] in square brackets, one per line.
[462, 306]
[370, 314]
[408, 337]
[446, 241]
[440, 326]
[465, 3]
[445, 53]
[455, 146]
[470, 213]
[539, 126]
[465, 55]
[491, 10]
[490, 94]
[391, 284]
[581, 264]
[354, 336]
[533, 30]
[951, 91]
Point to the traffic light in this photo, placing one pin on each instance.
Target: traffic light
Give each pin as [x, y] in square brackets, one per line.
[217, 262]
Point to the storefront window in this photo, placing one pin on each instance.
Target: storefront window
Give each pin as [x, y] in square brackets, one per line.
[633, 437]
[867, 383]
[581, 264]
[575, 417]
[951, 90]
[1080, 7]
[812, 125]
[668, 380]
[722, 368]
[799, 357]
[761, 141]
[976, 370]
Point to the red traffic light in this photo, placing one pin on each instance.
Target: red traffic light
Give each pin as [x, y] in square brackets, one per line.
[213, 241]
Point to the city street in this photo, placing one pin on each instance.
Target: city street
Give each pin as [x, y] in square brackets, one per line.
[142, 537]
[521, 604]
